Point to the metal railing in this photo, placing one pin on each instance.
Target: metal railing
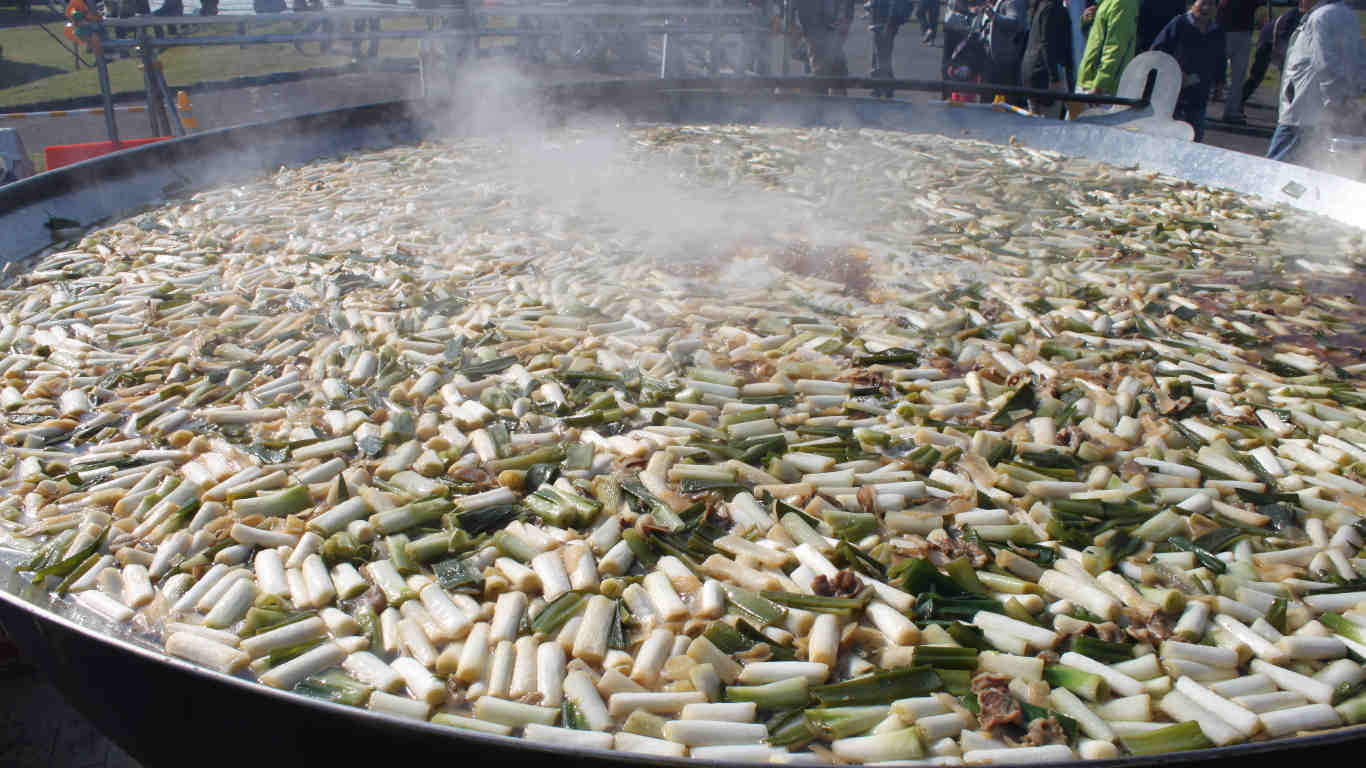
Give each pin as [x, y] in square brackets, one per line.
[461, 26]
[468, 25]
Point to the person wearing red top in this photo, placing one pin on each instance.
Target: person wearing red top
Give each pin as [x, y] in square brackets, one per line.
[1237, 18]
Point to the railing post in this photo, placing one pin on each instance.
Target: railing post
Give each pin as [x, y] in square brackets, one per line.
[177, 128]
[714, 52]
[149, 83]
[106, 95]
[787, 35]
[664, 54]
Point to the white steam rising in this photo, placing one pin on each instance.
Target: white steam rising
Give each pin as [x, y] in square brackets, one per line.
[588, 170]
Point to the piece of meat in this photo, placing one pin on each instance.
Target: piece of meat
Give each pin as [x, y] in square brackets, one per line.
[954, 547]
[847, 583]
[1155, 630]
[996, 707]
[977, 555]
[942, 363]
[1043, 731]
[867, 499]
[821, 586]
[1109, 632]
[375, 598]
[865, 379]
[986, 681]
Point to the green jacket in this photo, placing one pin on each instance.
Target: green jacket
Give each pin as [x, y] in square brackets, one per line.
[1109, 46]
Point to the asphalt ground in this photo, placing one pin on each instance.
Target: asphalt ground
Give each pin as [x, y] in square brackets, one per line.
[39, 729]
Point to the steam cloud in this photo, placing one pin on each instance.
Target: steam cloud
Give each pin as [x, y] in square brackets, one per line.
[584, 167]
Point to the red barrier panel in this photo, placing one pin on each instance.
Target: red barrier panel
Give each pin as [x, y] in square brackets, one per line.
[66, 154]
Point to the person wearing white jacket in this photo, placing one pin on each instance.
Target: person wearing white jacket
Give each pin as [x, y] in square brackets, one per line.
[1324, 76]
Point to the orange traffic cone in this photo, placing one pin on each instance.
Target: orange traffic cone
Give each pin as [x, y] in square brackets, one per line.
[182, 104]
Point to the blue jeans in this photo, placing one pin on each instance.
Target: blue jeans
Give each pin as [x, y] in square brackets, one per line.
[1287, 143]
[1193, 113]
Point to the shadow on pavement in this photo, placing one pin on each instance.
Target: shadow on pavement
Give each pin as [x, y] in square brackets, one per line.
[14, 73]
[11, 16]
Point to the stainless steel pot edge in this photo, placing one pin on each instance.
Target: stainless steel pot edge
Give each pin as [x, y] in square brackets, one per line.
[42, 606]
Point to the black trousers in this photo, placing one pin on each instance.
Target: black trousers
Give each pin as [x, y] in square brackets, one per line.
[886, 22]
[927, 13]
[1261, 62]
[819, 20]
[884, 37]
[952, 38]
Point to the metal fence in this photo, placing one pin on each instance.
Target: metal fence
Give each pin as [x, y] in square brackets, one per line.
[448, 38]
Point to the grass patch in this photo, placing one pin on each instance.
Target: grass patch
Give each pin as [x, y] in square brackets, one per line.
[36, 69]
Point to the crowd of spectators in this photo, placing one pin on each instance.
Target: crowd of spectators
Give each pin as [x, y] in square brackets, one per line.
[1317, 46]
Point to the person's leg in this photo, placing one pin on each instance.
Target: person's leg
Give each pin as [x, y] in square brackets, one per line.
[1239, 46]
[879, 25]
[839, 63]
[814, 34]
[1221, 77]
[884, 34]
[1285, 143]
[1195, 115]
[951, 41]
[1260, 63]
[1002, 72]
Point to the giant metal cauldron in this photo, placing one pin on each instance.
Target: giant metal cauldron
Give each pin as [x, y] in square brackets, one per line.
[164, 711]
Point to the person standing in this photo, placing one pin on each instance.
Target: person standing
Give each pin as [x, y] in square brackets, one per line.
[1195, 40]
[887, 18]
[957, 28]
[1272, 43]
[1007, 33]
[843, 13]
[927, 14]
[1047, 62]
[1237, 18]
[1324, 75]
[1109, 46]
[825, 27]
